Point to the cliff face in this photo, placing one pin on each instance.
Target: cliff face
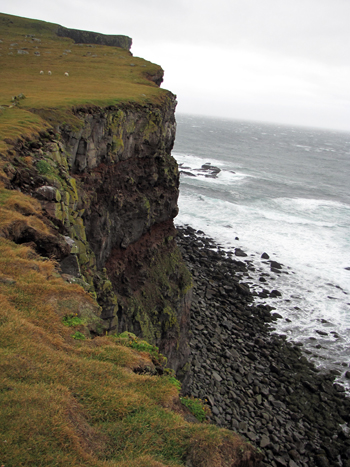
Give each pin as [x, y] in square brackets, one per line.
[99, 162]
[88, 193]
[110, 189]
[89, 37]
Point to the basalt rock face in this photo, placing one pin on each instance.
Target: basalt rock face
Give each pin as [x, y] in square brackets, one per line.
[110, 190]
[89, 37]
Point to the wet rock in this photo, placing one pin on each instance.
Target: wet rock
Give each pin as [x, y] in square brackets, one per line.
[211, 170]
[275, 293]
[185, 172]
[265, 388]
[240, 252]
[275, 265]
[322, 333]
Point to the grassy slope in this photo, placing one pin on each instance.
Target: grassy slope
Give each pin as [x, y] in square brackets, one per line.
[98, 75]
[66, 401]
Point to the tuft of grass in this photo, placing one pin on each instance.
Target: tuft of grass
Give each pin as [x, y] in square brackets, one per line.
[43, 167]
[131, 340]
[175, 382]
[197, 407]
[16, 123]
[73, 320]
[78, 336]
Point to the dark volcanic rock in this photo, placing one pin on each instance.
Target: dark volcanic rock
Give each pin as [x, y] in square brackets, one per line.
[257, 383]
[275, 265]
[112, 188]
[185, 172]
[239, 252]
[88, 37]
[211, 170]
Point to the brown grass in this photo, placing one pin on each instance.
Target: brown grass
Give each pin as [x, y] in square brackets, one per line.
[69, 402]
[66, 401]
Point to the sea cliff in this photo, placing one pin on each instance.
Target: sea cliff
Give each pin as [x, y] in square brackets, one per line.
[95, 296]
[109, 191]
[108, 186]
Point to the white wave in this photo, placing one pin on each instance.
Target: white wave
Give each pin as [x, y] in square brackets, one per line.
[277, 203]
[311, 204]
[195, 161]
[316, 247]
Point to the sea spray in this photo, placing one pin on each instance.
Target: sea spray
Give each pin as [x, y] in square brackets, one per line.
[282, 191]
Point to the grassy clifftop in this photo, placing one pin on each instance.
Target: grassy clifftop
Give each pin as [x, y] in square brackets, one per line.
[98, 75]
[66, 398]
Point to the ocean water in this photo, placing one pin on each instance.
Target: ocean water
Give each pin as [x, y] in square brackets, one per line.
[284, 191]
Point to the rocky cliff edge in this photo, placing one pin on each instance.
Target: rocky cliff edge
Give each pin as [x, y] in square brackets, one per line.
[88, 193]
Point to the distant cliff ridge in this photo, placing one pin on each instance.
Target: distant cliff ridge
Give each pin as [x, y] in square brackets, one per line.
[89, 37]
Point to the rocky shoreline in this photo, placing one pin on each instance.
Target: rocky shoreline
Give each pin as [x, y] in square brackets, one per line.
[257, 383]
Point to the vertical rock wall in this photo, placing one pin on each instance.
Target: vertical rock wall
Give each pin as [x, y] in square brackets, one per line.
[110, 189]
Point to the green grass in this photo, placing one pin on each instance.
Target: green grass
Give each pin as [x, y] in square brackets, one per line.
[196, 407]
[98, 76]
[72, 320]
[78, 336]
[129, 339]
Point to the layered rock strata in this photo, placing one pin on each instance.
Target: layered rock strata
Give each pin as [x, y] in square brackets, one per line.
[109, 190]
[257, 383]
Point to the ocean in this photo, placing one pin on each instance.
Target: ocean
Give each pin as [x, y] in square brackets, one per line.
[284, 191]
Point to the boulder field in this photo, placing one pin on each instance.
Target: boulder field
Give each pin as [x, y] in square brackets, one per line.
[256, 382]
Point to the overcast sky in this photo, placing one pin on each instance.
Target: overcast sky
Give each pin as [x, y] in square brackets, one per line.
[283, 61]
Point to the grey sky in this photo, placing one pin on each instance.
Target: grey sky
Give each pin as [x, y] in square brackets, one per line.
[284, 61]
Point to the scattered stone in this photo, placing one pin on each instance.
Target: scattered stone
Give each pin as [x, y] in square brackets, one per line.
[239, 252]
[217, 377]
[263, 385]
[265, 441]
[322, 333]
[275, 293]
[243, 427]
